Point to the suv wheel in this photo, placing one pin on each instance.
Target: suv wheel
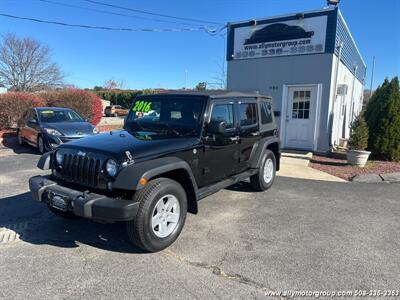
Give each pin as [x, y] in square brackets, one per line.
[40, 145]
[160, 217]
[264, 179]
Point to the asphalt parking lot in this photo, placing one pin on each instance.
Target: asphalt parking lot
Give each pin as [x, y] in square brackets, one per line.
[300, 235]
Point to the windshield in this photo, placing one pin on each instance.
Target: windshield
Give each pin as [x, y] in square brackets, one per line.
[165, 116]
[57, 116]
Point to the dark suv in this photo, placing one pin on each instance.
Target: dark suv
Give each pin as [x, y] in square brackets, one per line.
[174, 150]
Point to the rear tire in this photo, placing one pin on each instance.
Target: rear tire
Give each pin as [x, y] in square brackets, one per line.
[160, 217]
[265, 177]
[21, 141]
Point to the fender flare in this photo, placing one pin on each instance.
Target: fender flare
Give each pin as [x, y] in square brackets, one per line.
[129, 177]
[45, 161]
[259, 150]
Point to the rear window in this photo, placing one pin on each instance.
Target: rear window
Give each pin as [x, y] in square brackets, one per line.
[247, 114]
[266, 112]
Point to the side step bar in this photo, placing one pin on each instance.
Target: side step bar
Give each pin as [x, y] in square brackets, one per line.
[211, 189]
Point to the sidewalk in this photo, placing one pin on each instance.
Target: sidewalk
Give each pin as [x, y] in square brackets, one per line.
[295, 165]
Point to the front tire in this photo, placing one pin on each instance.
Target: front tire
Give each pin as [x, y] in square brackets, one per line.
[40, 145]
[160, 217]
[265, 177]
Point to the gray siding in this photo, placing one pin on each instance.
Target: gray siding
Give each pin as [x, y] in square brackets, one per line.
[269, 75]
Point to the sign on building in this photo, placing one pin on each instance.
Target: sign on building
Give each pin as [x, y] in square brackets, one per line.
[294, 37]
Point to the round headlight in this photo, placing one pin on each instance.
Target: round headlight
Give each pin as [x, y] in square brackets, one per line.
[59, 157]
[95, 130]
[111, 167]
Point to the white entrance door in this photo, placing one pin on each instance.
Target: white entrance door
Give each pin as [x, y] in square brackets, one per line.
[300, 117]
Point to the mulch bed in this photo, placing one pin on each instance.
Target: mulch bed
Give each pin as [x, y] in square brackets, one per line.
[340, 168]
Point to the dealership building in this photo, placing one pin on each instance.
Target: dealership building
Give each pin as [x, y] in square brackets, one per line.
[310, 64]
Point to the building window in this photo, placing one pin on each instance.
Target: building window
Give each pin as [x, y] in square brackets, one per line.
[301, 105]
[247, 114]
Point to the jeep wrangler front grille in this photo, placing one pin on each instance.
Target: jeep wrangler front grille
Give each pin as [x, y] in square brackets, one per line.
[81, 169]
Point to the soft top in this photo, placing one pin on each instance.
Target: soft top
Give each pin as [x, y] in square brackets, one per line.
[211, 94]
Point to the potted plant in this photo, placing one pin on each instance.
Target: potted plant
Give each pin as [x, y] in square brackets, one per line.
[356, 154]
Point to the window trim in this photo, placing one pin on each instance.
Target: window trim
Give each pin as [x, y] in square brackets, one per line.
[224, 102]
[248, 101]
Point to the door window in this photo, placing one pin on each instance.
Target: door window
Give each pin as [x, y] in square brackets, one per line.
[266, 113]
[223, 113]
[301, 105]
[32, 116]
[247, 114]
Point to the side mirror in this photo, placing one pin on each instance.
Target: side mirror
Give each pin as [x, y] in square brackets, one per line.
[216, 127]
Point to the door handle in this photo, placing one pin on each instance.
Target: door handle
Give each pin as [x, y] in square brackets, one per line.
[235, 139]
[257, 133]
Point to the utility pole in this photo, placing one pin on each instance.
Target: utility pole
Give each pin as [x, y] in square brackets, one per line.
[186, 73]
[372, 76]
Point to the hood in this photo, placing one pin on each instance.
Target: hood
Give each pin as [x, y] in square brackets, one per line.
[115, 143]
[71, 129]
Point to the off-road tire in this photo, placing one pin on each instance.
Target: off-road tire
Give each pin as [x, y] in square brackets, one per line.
[257, 181]
[140, 231]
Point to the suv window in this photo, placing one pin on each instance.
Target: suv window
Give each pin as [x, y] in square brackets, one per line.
[223, 113]
[266, 112]
[247, 114]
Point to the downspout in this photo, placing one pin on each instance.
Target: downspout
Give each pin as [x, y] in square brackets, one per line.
[352, 93]
[340, 47]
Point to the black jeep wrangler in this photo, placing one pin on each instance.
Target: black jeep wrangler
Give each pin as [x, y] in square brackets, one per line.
[174, 150]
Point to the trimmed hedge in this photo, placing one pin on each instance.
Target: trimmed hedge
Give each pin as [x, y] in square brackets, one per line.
[87, 104]
[14, 104]
[123, 97]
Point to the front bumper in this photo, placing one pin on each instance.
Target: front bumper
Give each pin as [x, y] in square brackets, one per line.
[84, 204]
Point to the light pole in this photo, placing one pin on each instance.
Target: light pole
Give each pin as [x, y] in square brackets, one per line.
[372, 76]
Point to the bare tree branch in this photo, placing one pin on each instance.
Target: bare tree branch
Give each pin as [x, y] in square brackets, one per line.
[25, 65]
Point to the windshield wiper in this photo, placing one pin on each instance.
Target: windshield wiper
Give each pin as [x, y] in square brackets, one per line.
[166, 125]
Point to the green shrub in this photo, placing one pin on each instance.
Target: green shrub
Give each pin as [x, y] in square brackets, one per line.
[14, 104]
[383, 118]
[359, 134]
[123, 97]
